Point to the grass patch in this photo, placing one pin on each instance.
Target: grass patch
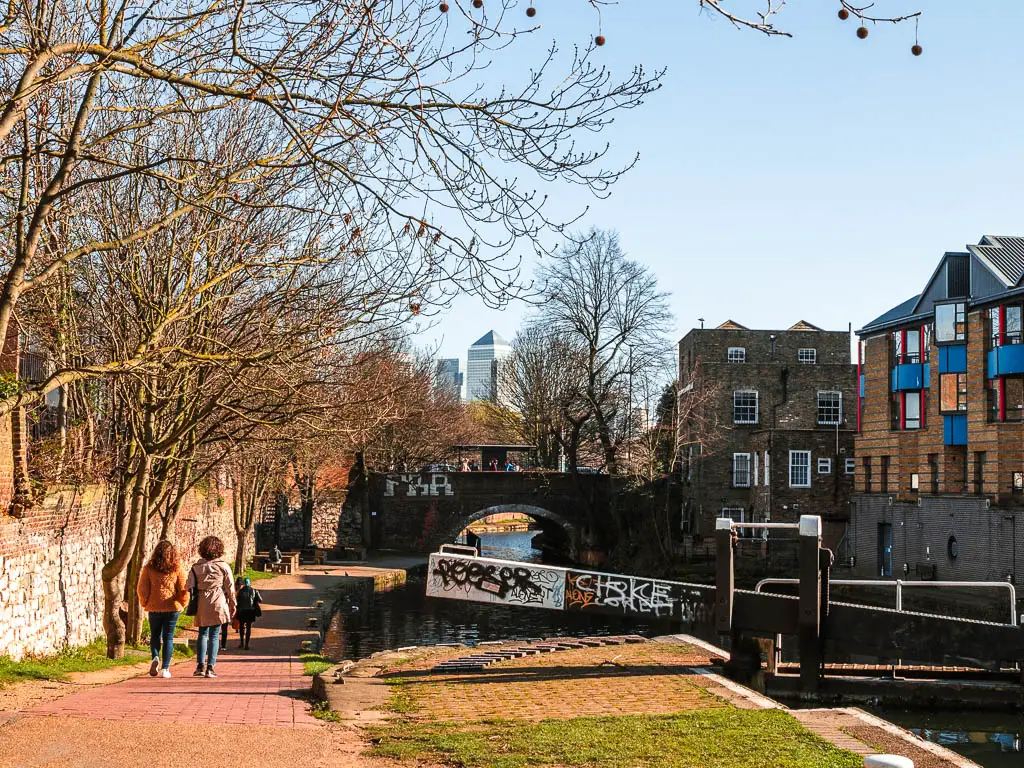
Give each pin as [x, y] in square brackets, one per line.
[321, 710]
[402, 701]
[314, 663]
[254, 575]
[86, 658]
[717, 737]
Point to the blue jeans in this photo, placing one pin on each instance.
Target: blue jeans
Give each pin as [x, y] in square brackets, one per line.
[161, 631]
[209, 637]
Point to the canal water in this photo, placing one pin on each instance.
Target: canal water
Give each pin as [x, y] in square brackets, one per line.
[990, 739]
[366, 622]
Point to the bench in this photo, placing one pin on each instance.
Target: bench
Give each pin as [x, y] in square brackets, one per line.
[352, 553]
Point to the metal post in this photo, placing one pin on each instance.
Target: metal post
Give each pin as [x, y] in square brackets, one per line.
[810, 602]
[724, 575]
[899, 595]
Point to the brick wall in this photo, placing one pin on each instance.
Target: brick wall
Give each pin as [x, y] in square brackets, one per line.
[787, 420]
[51, 594]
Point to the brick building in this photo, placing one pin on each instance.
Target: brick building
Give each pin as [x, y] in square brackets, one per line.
[940, 468]
[782, 441]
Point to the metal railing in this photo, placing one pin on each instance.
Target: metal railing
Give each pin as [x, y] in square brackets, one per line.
[900, 584]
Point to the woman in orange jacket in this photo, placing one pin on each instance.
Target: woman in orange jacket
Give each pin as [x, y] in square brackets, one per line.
[162, 592]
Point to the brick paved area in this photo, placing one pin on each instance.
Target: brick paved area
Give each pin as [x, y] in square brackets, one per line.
[249, 690]
[649, 678]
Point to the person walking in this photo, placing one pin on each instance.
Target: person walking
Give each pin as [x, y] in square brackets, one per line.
[163, 594]
[248, 609]
[212, 579]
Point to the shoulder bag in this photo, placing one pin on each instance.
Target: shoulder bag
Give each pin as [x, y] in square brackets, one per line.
[193, 596]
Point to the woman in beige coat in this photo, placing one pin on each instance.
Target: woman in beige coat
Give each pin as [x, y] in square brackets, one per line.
[212, 577]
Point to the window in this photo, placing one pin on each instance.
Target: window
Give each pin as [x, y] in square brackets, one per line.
[915, 482]
[950, 322]
[807, 355]
[741, 470]
[897, 347]
[911, 410]
[766, 480]
[952, 392]
[744, 407]
[885, 474]
[799, 469]
[912, 350]
[755, 470]
[850, 467]
[733, 513]
[1012, 334]
[830, 407]
[737, 354]
[979, 472]
[824, 466]
[867, 473]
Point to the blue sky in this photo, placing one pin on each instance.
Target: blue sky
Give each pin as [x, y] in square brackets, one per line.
[819, 177]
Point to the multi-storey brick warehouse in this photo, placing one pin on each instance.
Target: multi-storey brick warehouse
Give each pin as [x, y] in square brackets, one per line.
[940, 471]
[778, 441]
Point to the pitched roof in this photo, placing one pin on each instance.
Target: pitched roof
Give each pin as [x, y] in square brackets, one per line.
[1004, 254]
[491, 338]
[803, 325]
[904, 309]
[731, 325]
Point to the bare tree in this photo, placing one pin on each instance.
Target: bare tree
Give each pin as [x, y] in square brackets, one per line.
[374, 113]
[609, 307]
[541, 385]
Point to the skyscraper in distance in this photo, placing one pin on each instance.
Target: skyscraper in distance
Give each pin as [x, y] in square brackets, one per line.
[482, 366]
[449, 376]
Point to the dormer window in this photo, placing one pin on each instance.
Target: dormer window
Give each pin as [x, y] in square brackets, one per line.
[950, 322]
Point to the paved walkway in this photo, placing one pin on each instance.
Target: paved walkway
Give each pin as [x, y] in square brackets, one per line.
[252, 689]
[252, 713]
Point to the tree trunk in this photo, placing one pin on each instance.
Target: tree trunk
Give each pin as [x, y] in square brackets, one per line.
[113, 623]
[133, 623]
[241, 536]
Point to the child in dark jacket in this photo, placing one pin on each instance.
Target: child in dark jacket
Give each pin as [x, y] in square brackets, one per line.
[248, 609]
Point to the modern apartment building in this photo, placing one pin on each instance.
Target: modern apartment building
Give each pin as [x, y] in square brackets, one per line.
[449, 375]
[940, 451]
[482, 366]
[778, 424]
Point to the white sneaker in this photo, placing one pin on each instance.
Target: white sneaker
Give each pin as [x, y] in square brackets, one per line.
[154, 667]
[165, 673]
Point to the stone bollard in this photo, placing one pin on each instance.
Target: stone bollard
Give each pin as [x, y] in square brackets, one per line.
[887, 761]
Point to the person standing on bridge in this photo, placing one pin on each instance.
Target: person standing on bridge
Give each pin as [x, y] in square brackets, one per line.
[212, 579]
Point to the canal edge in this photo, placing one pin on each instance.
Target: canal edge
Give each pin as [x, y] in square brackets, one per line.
[819, 721]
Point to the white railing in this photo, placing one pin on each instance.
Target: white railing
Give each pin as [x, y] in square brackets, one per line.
[900, 584]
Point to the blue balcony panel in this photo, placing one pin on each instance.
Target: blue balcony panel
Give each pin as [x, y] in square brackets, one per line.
[953, 358]
[909, 376]
[1006, 360]
[954, 430]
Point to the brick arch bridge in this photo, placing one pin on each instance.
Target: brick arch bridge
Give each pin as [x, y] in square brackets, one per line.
[422, 511]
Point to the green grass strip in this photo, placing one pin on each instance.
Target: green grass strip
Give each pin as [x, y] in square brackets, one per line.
[715, 737]
[314, 663]
[86, 658]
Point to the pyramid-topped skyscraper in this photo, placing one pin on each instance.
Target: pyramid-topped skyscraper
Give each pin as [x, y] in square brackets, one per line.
[482, 366]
